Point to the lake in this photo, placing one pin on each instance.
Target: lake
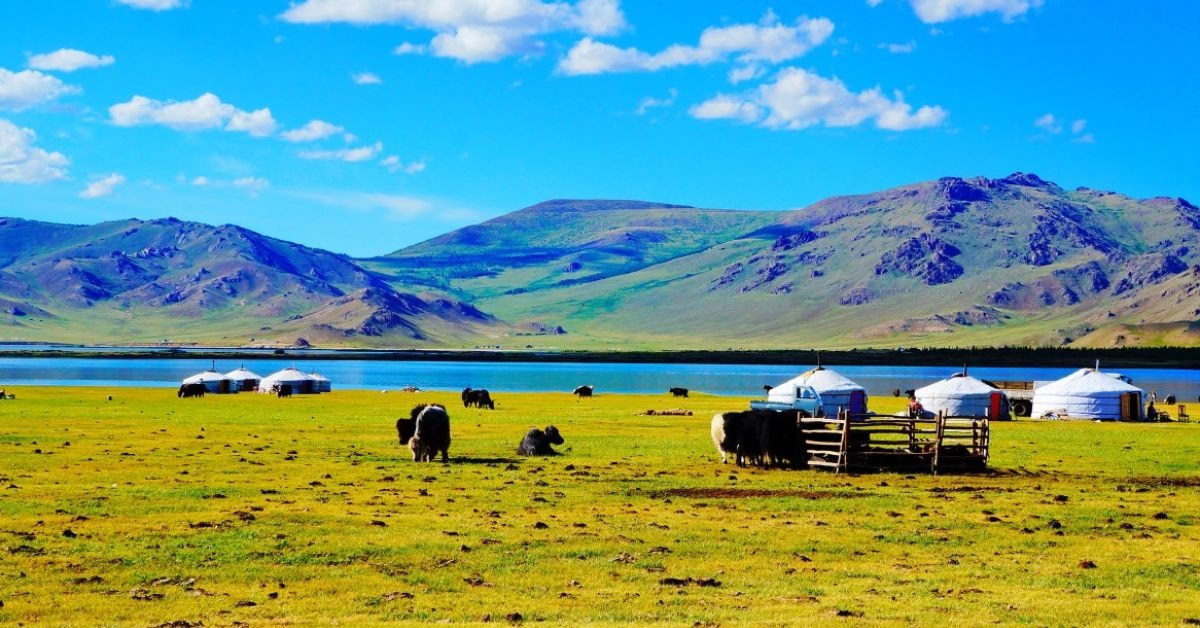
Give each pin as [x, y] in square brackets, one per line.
[745, 380]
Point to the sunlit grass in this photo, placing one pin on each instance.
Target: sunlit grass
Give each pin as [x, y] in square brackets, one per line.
[309, 509]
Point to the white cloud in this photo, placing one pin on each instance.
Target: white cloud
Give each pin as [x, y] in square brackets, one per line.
[1086, 138]
[205, 112]
[24, 89]
[200, 181]
[22, 162]
[393, 164]
[155, 5]
[394, 206]
[899, 49]
[362, 153]
[874, 3]
[798, 99]
[469, 30]
[366, 78]
[311, 132]
[408, 48]
[651, 103]
[68, 60]
[937, 11]
[1078, 126]
[253, 185]
[1049, 123]
[745, 73]
[103, 186]
[768, 41]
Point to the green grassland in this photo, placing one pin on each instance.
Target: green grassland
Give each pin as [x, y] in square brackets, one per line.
[147, 509]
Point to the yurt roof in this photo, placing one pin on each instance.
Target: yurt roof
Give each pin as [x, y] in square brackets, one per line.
[289, 373]
[206, 376]
[242, 374]
[820, 378]
[317, 377]
[955, 386]
[1087, 382]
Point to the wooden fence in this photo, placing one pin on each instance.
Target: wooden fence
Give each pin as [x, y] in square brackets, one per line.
[874, 443]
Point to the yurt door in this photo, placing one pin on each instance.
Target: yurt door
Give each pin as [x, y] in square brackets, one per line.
[1131, 406]
[858, 402]
[995, 406]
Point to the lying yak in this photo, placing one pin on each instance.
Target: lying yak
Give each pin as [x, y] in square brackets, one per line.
[426, 432]
[584, 391]
[537, 442]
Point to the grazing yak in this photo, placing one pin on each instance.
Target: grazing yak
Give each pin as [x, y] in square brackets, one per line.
[282, 390]
[537, 442]
[191, 390]
[762, 438]
[678, 392]
[480, 398]
[426, 432]
[584, 391]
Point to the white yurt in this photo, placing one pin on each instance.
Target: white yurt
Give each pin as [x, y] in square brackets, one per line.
[321, 384]
[1089, 394]
[243, 379]
[300, 382]
[213, 381]
[836, 390]
[963, 395]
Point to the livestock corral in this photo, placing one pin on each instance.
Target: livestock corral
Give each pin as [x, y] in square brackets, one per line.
[131, 506]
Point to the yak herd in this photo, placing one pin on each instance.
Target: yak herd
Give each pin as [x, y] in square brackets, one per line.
[763, 438]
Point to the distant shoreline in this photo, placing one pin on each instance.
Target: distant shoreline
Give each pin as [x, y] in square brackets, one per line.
[1180, 358]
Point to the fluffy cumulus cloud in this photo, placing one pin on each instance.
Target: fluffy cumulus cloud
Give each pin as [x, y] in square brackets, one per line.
[797, 99]
[311, 132]
[938, 11]
[469, 30]
[362, 153]
[68, 60]
[366, 78]
[103, 186]
[24, 89]
[770, 41]
[155, 5]
[205, 112]
[22, 162]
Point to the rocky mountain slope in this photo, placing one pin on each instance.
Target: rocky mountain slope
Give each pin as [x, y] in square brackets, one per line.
[149, 281]
[951, 262]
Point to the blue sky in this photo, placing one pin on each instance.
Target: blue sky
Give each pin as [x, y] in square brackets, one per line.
[362, 126]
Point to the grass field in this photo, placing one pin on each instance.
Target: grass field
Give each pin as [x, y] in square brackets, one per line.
[146, 509]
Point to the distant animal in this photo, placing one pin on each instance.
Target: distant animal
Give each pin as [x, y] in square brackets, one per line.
[678, 392]
[430, 432]
[282, 390]
[480, 398]
[895, 392]
[1170, 400]
[584, 391]
[538, 442]
[191, 390]
[767, 387]
[724, 433]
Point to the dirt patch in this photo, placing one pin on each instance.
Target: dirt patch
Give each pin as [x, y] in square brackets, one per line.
[745, 493]
[1165, 482]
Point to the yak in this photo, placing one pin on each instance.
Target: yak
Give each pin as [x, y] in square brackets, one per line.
[678, 392]
[480, 398]
[426, 432]
[191, 390]
[584, 391]
[538, 442]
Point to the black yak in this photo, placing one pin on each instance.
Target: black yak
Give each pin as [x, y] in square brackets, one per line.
[191, 390]
[426, 431]
[584, 391]
[678, 392]
[538, 442]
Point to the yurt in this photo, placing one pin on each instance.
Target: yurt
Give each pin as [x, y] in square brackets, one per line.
[243, 380]
[963, 395]
[321, 384]
[300, 382]
[1089, 394]
[213, 381]
[836, 390]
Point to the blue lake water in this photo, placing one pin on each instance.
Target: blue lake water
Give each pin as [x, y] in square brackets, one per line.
[744, 380]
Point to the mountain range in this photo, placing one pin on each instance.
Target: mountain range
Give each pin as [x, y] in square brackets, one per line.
[951, 262]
